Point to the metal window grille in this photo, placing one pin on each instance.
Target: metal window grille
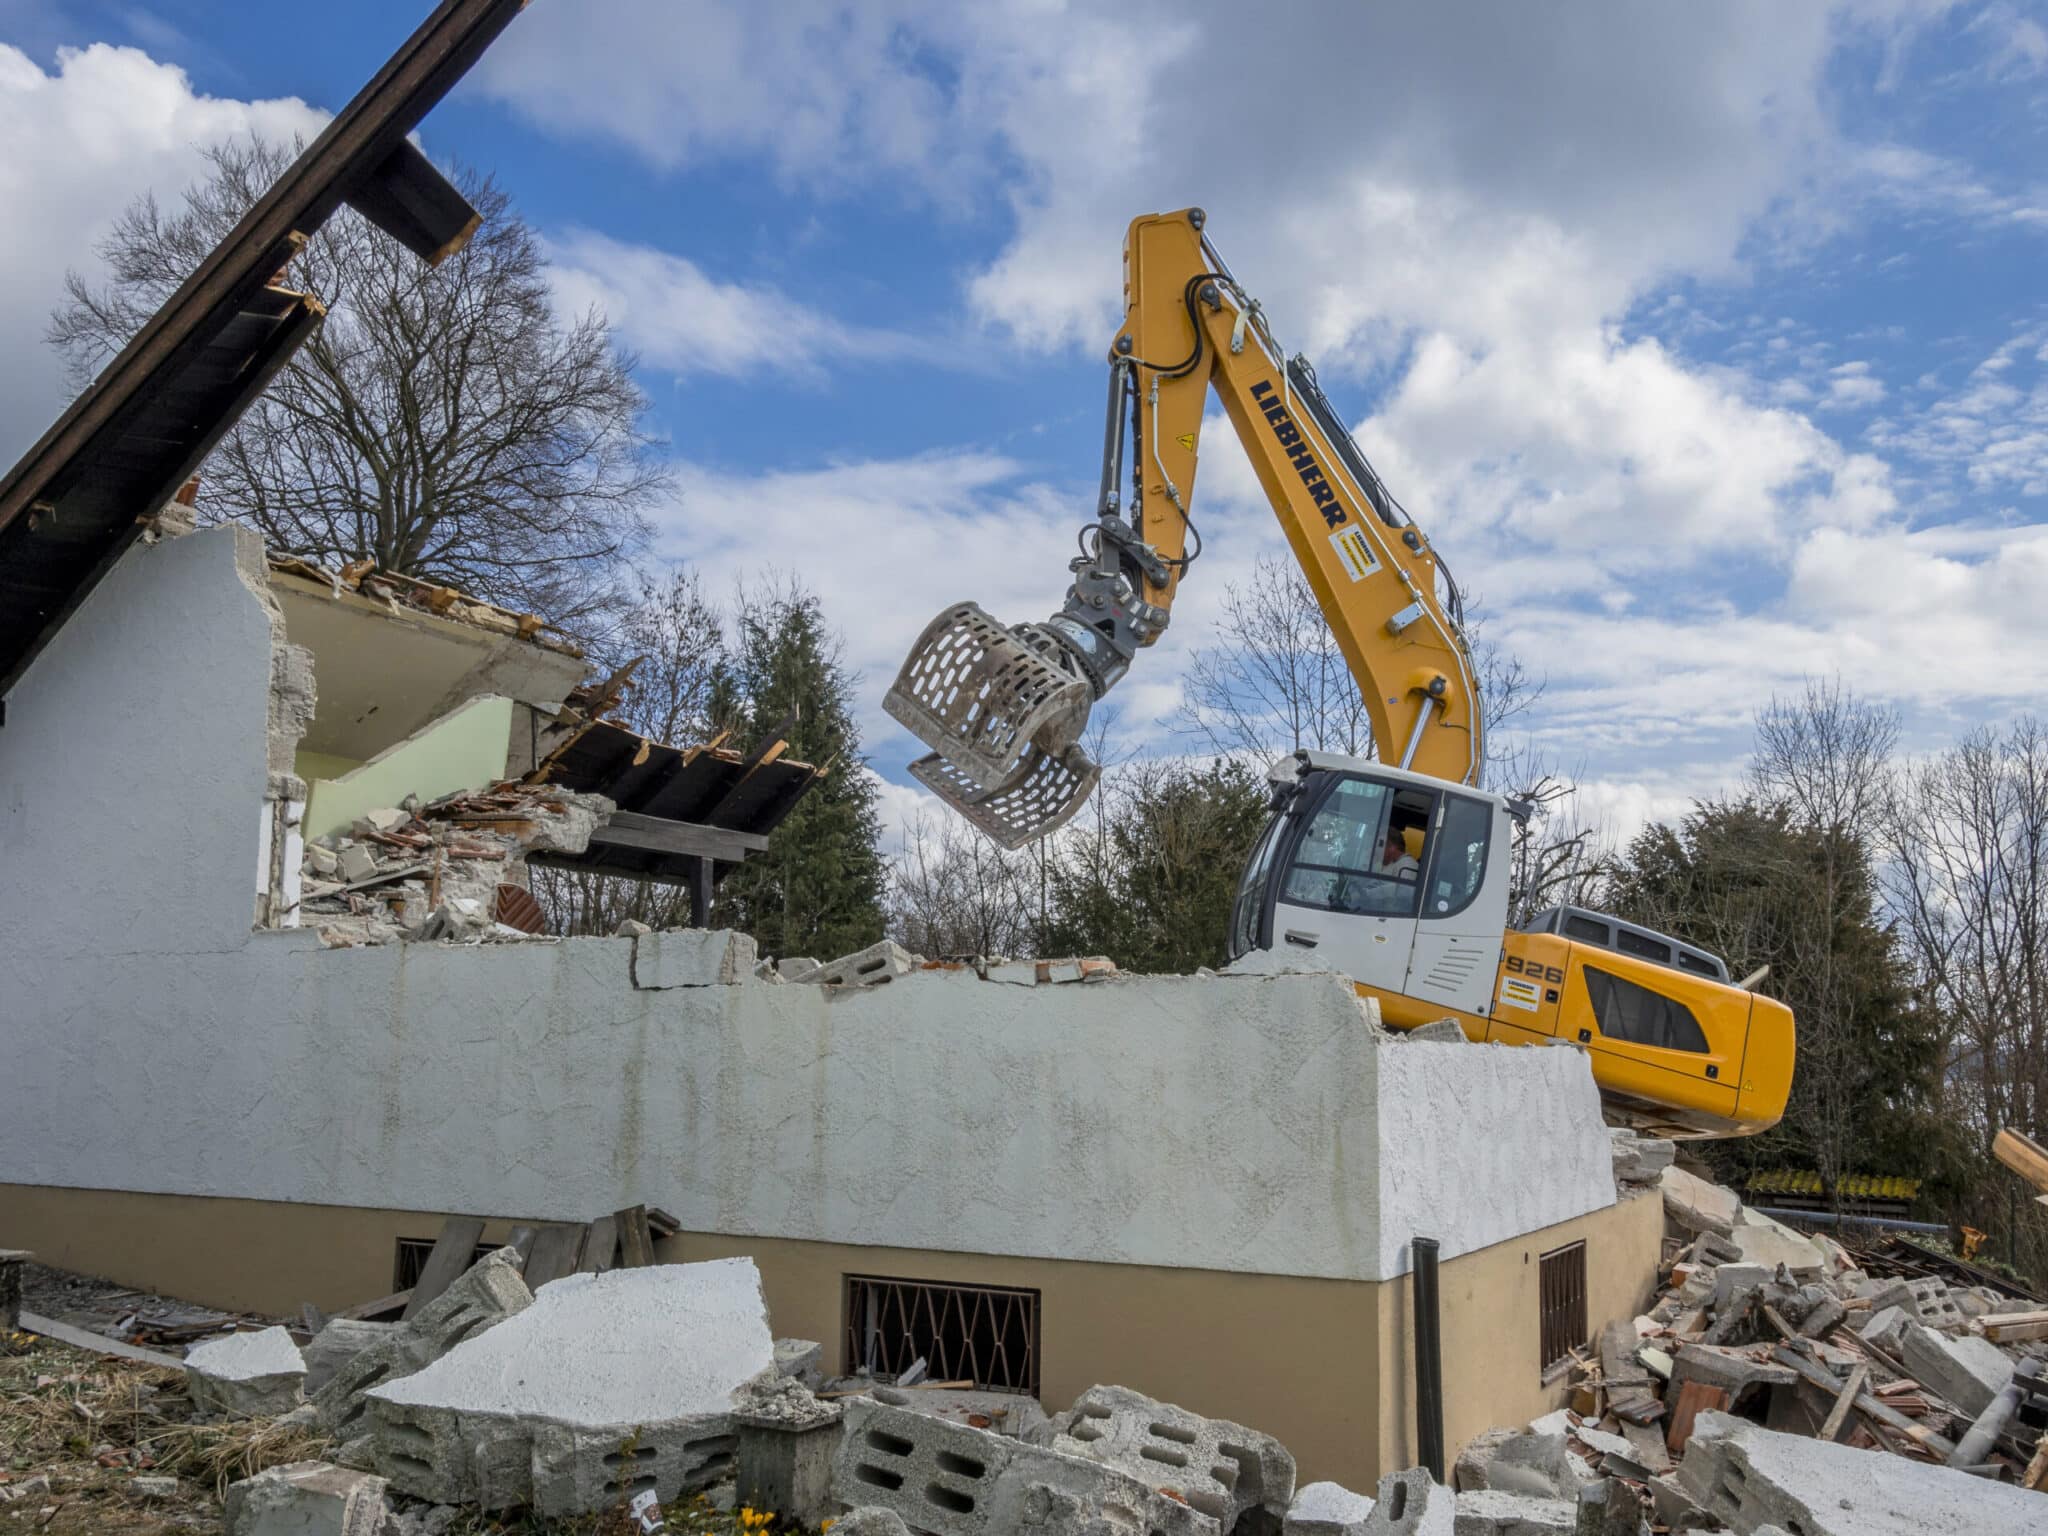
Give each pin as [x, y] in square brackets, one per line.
[412, 1258]
[986, 1334]
[1561, 1293]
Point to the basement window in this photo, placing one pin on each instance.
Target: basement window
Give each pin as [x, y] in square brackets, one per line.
[412, 1258]
[986, 1334]
[1561, 1305]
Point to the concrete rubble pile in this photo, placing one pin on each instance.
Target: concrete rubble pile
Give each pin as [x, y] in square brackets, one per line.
[882, 963]
[422, 872]
[1776, 1386]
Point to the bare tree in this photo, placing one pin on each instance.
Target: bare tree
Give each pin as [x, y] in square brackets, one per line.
[953, 894]
[1967, 876]
[442, 421]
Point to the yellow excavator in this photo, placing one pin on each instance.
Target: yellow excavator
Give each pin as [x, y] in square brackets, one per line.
[1394, 872]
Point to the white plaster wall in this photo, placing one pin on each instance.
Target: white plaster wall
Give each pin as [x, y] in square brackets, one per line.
[1249, 1123]
[132, 765]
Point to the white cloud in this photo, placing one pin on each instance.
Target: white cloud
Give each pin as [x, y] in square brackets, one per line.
[684, 322]
[1854, 386]
[109, 125]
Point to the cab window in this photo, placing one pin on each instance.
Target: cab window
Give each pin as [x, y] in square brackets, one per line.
[1460, 860]
[1251, 891]
[1362, 851]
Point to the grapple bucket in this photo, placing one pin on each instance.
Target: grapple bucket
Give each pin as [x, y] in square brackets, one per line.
[1002, 712]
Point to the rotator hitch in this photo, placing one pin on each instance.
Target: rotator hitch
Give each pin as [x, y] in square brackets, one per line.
[1003, 707]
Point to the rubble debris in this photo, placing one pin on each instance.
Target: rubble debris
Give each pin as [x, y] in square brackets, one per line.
[306, 1498]
[339, 1341]
[1696, 1205]
[1968, 1372]
[803, 1359]
[434, 873]
[871, 1520]
[1507, 1461]
[489, 1293]
[536, 1410]
[952, 1480]
[1747, 1476]
[246, 1375]
[1222, 1469]
[692, 957]
[1004, 1413]
[1441, 1032]
[1326, 1509]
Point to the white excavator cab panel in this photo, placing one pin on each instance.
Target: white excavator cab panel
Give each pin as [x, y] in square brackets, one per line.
[1397, 879]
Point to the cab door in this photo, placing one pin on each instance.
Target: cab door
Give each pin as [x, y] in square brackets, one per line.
[1333, 900]
[1464, 906]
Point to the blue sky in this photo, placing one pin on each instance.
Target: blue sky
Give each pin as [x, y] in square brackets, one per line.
[1711, 348]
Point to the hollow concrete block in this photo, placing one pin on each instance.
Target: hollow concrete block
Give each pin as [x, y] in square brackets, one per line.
[1412, 1503]
[1497, 1512]
[787, 1469]
[1326, 1509]
[578, 1470]
[1221, 1468]
[306, 1498]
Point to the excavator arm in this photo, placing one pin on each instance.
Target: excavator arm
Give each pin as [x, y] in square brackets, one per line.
[1004, 708]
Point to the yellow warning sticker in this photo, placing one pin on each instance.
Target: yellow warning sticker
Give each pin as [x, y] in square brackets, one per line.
[1359, 560]
[1187, 441]
[1517, 993]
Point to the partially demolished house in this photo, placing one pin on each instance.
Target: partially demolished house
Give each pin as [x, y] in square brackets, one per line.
[274, 1009]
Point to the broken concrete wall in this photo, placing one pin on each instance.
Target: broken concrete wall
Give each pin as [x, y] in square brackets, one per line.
[1254, 1124]
[144, 768]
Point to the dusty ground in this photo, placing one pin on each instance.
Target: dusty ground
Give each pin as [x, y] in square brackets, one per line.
[76, 1430]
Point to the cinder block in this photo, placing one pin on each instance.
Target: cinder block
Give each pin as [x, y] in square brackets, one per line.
[1222, 1469]
[874, 966]
[487, 1294]
[1326, 1509]
[1411, 1503]
[337, 1343]
[1969, 1372]
[1506, 1461]
[577, 1470]
[306, 1498]
[787, 1469]
[955, 1481]
[423, 1451]
[802, 1358]
[1884, 1328]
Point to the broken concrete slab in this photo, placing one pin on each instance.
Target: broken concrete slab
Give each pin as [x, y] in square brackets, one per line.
[1326, 1509]
[1749, 1477]
[802, 1358]
[1696, 1205]
[1222, 1469]
[1885, 1328]
[1496, 1512]
[954, 1481]
[537, 1409]
[1969, 1372]
[1769, 1243]
[1730, 1369]
[692, 957]
[246, 1375]
[306, 1498]
[871, 1520]
[1733, 1281]
[1412, 1503]
[1640, 1159]
[488, 1293]
[1442, 1032]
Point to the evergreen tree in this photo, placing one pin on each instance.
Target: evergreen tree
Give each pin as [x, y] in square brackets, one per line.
[818, 889]
[1151, 884]
[1746, 880]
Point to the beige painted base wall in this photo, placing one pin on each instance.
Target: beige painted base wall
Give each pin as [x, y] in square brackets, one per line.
[1325, 1365]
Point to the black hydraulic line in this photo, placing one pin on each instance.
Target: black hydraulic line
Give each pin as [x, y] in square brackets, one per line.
[1429, 1359]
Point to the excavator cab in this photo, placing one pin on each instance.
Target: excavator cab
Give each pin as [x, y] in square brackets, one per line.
[1396, 879]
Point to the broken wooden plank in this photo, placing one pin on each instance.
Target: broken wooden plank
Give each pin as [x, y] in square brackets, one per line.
[79, 1338]
[661, 1223]
[1867, 1403]
[636, 1242]
[2023, 1155]
[557, 1250]
[1694, 1399]
[628, 829]
[2036, 1475]
[1838, 1415]
[600, 1246]
[454, 1251]
[2016, 1327]
[374, 1311]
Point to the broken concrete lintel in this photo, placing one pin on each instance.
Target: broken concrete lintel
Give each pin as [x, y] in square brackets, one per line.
[691, 957]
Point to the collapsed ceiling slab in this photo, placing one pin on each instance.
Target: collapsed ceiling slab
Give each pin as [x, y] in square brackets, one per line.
[80, 496]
